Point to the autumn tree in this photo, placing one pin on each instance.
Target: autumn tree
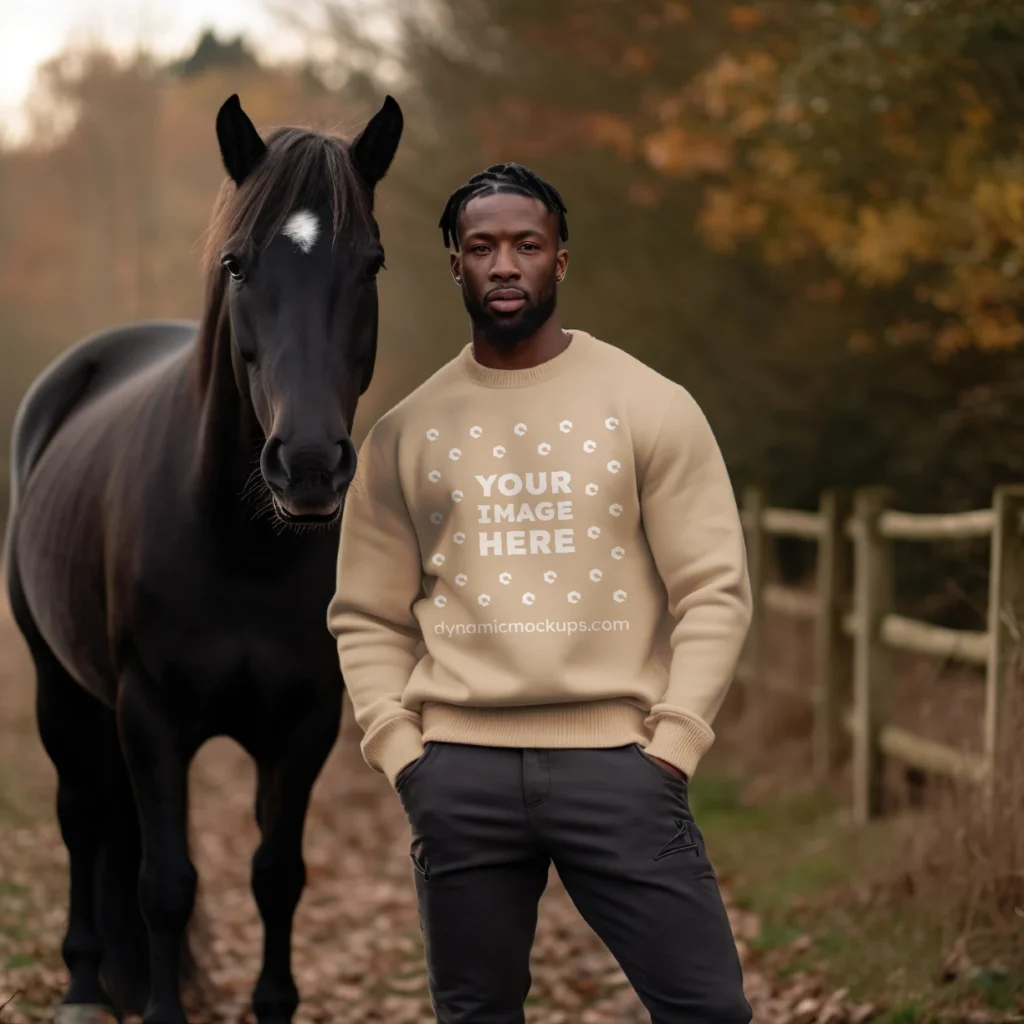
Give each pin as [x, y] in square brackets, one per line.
[889, 141]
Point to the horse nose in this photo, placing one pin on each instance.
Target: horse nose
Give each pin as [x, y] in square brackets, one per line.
[273, 466]
[290, 465]
[344, 464]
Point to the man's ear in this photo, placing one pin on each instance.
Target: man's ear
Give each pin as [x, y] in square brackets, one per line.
[240, 144]
[456, 267]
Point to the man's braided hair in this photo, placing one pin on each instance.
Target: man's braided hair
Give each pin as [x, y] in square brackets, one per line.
[508, 177]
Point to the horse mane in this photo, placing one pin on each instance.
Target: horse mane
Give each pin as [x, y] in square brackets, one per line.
[302, 167]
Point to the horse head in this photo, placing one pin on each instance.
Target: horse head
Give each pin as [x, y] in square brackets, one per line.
[300, 250]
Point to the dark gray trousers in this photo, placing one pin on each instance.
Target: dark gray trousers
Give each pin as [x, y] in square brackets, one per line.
[486, 824]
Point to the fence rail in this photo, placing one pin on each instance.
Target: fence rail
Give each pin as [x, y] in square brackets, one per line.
[856, 628]
[955, 526]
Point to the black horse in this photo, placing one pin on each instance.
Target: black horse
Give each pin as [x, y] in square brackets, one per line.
[171, 550]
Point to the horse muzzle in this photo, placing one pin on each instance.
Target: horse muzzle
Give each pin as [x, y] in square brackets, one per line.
[308, 483]
[309, 512]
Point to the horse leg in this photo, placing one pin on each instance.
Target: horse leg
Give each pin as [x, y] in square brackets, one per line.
[284, 782]
[80, 737]
[158, 759]
[125, 967]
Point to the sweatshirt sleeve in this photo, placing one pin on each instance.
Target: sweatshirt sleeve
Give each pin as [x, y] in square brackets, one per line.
[379, 578]
[695, 535]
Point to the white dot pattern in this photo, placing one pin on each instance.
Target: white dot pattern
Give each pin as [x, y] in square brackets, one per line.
[458, 493]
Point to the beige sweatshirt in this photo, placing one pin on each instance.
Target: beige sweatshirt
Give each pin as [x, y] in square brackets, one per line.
[546, 557]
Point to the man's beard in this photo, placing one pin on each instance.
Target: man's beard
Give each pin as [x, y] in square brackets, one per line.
[507, 333]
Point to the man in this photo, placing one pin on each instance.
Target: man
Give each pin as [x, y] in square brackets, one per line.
[542, 595]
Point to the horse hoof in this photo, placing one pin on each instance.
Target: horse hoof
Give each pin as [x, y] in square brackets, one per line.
[84, 1013]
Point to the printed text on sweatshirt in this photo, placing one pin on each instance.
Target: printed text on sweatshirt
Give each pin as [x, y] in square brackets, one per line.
[545, 557]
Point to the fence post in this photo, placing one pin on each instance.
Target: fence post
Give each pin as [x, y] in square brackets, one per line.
[754, 504]
[831, 646]
[872, 601]
[1005, 617]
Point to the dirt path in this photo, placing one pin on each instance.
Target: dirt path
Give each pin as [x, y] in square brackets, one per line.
[357, 951]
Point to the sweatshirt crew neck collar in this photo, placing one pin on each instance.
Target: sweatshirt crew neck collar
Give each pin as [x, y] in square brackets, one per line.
[491, 377]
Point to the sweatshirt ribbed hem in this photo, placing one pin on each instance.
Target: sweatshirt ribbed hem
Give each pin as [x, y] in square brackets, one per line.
[607, 723]
[679, 739]
[490, 377]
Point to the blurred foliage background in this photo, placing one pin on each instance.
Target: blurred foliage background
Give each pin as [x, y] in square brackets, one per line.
[810, 214]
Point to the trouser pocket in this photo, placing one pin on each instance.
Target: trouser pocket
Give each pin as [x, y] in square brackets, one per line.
[413, 767]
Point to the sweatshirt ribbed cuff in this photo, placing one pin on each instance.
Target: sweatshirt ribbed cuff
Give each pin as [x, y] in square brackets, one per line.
[680, 740]
[395, 744]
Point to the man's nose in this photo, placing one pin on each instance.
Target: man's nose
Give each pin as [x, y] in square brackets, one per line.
[505, 266]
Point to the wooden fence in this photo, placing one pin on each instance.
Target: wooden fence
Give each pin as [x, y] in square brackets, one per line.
[855, 627]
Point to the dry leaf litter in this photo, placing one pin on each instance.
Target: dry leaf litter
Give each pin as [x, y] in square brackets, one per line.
[357, 952]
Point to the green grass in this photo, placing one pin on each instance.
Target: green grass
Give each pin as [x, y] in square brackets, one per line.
[909, 1013]
[796, 862]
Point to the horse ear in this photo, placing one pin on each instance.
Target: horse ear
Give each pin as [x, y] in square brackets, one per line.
[374, 148]
[240, 143]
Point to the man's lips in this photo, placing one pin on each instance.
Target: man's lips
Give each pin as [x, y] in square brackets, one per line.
[506, 300]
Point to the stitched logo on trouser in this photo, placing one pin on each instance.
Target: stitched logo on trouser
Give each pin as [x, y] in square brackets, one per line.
[680, 842]
[418, 859]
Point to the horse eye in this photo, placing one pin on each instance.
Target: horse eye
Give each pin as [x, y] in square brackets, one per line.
[233, 267]
[375, 268]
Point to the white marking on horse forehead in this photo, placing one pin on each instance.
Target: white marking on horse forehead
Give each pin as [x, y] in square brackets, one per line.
[302, 228]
